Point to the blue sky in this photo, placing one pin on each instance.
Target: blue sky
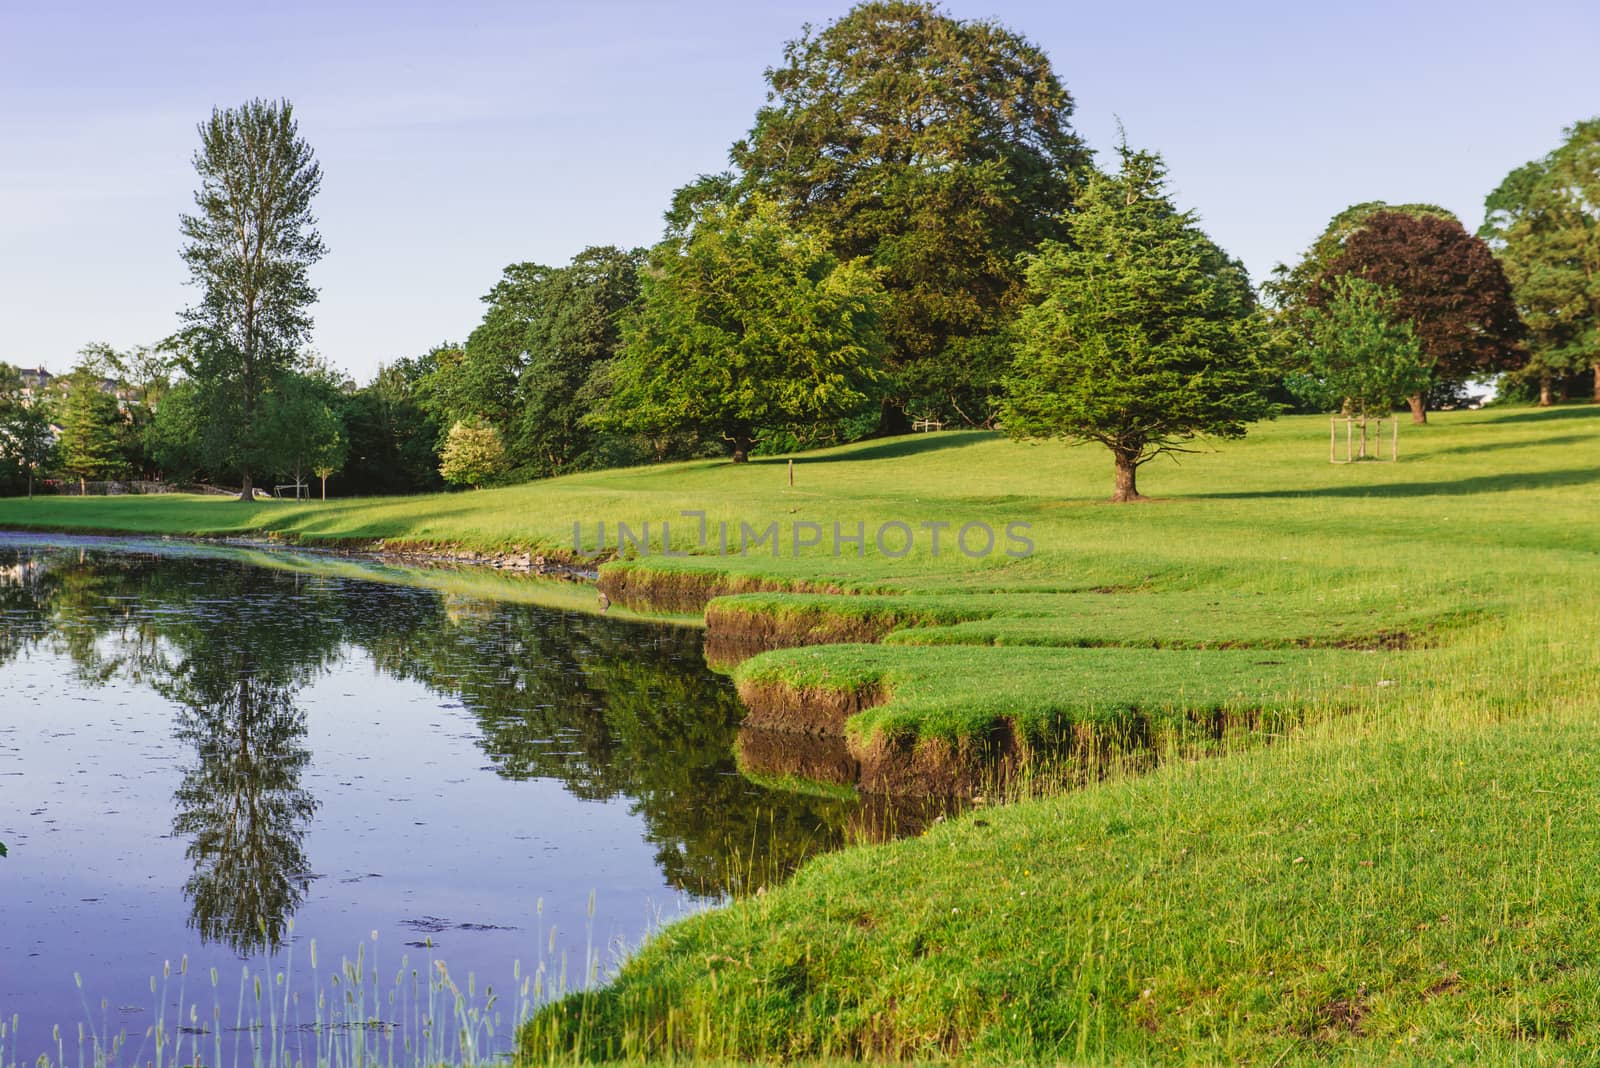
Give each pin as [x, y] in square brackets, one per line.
[459, 138]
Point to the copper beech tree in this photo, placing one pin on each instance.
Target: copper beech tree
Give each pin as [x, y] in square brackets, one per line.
[1444, 281]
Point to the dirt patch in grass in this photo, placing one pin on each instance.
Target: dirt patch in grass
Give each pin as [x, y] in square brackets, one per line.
[1336, 1019]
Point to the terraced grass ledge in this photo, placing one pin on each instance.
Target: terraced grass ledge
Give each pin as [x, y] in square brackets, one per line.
[943, 721]
[739, 626]
[654, 587]
[743, 625]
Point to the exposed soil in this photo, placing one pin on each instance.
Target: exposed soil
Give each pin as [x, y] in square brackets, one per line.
[778, 754]
[813, 720]
[647, 590]
[735, 633]
[934, 767]
[809, 710]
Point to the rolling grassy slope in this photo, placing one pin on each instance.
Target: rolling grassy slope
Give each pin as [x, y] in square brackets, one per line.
[1409, 873]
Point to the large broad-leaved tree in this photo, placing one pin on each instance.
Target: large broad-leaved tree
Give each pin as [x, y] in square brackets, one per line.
[302, 423]
[1446, 283]
[472, 455]
[1142, 334]
[1544, 221]
[1289, 287]
[746, 325]
[938, 149]
[249, 245]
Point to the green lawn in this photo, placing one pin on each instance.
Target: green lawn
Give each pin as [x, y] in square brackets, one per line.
[1408, 871]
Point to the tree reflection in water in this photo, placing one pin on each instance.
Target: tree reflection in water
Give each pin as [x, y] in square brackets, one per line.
[242, 807]
[610, 709]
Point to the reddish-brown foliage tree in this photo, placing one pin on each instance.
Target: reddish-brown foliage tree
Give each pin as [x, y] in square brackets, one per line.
[1446, 282]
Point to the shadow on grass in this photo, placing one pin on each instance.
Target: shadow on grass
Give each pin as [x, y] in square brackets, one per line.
[1531, 443]
[1461, 487]
[911, 445]
[1572, 410]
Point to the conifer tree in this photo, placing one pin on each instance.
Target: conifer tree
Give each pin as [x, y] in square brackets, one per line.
[90, 445]
[1142, 334]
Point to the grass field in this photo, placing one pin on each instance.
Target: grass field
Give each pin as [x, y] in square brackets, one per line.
[1410, 873]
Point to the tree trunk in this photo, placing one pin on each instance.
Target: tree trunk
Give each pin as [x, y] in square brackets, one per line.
[1545, 398]
[324, 487]
[30, 483]
[892, 420]
[1419, 408]
[1597, 381]
[83, 486]
[1127, 477]
[247, 492]
[742, 444]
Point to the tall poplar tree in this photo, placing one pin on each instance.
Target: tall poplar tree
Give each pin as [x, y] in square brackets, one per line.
[249, 246]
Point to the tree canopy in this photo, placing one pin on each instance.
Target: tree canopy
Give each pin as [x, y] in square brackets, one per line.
[1360, 355]
[1142, 334]
[1544, 221]
[1289, 286]
[90, 445]
[27, 443]
[472, 455]
[1445, 282]
[747, 325]
[301, 425]
[533, 368]
[936, 148]
[392, 438]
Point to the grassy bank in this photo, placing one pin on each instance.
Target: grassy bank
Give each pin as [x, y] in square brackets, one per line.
[1405, 872]
[1410, 882]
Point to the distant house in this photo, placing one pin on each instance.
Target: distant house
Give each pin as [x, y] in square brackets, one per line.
[37, 381]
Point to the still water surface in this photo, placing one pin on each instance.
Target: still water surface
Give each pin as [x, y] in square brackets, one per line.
[201, 756]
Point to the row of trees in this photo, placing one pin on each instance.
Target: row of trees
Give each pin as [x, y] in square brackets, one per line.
[1518, 301]
[910, 228]
[903, 232]
[856, 267]
[139, 415]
